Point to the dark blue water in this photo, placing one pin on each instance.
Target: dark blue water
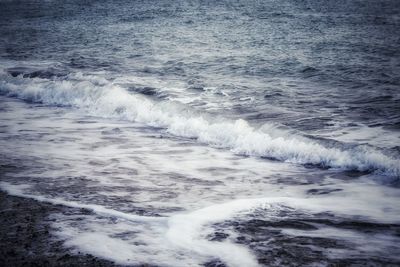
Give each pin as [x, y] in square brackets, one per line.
[295, 55]
[234, 99]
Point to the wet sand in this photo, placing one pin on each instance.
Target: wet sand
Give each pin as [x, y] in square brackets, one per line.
[26, 238]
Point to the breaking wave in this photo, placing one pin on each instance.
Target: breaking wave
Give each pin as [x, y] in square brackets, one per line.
[99, 97]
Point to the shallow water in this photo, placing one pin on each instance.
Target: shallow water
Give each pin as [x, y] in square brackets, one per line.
[194, 133]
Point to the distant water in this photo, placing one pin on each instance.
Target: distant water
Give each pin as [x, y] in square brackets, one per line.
[196, 133]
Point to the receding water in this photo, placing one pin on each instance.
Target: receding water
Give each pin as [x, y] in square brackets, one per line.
[192, 133]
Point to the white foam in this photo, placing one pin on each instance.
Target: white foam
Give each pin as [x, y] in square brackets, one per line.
[101, 98]
[186, 231]
[181, 239]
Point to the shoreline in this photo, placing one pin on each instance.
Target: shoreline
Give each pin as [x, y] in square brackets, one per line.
[26, 238]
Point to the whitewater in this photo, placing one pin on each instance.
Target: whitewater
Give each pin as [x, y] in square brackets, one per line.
[101, 98]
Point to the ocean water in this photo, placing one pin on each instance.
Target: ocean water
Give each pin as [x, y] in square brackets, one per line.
[207, 133]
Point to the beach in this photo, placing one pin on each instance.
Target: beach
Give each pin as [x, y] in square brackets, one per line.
[200, 133]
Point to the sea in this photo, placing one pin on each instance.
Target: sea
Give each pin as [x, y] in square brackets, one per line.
[207, 133]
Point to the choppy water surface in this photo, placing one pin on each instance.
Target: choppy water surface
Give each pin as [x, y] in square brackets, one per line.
[191, 133]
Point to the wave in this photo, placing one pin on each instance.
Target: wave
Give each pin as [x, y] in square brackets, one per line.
[103, 98]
